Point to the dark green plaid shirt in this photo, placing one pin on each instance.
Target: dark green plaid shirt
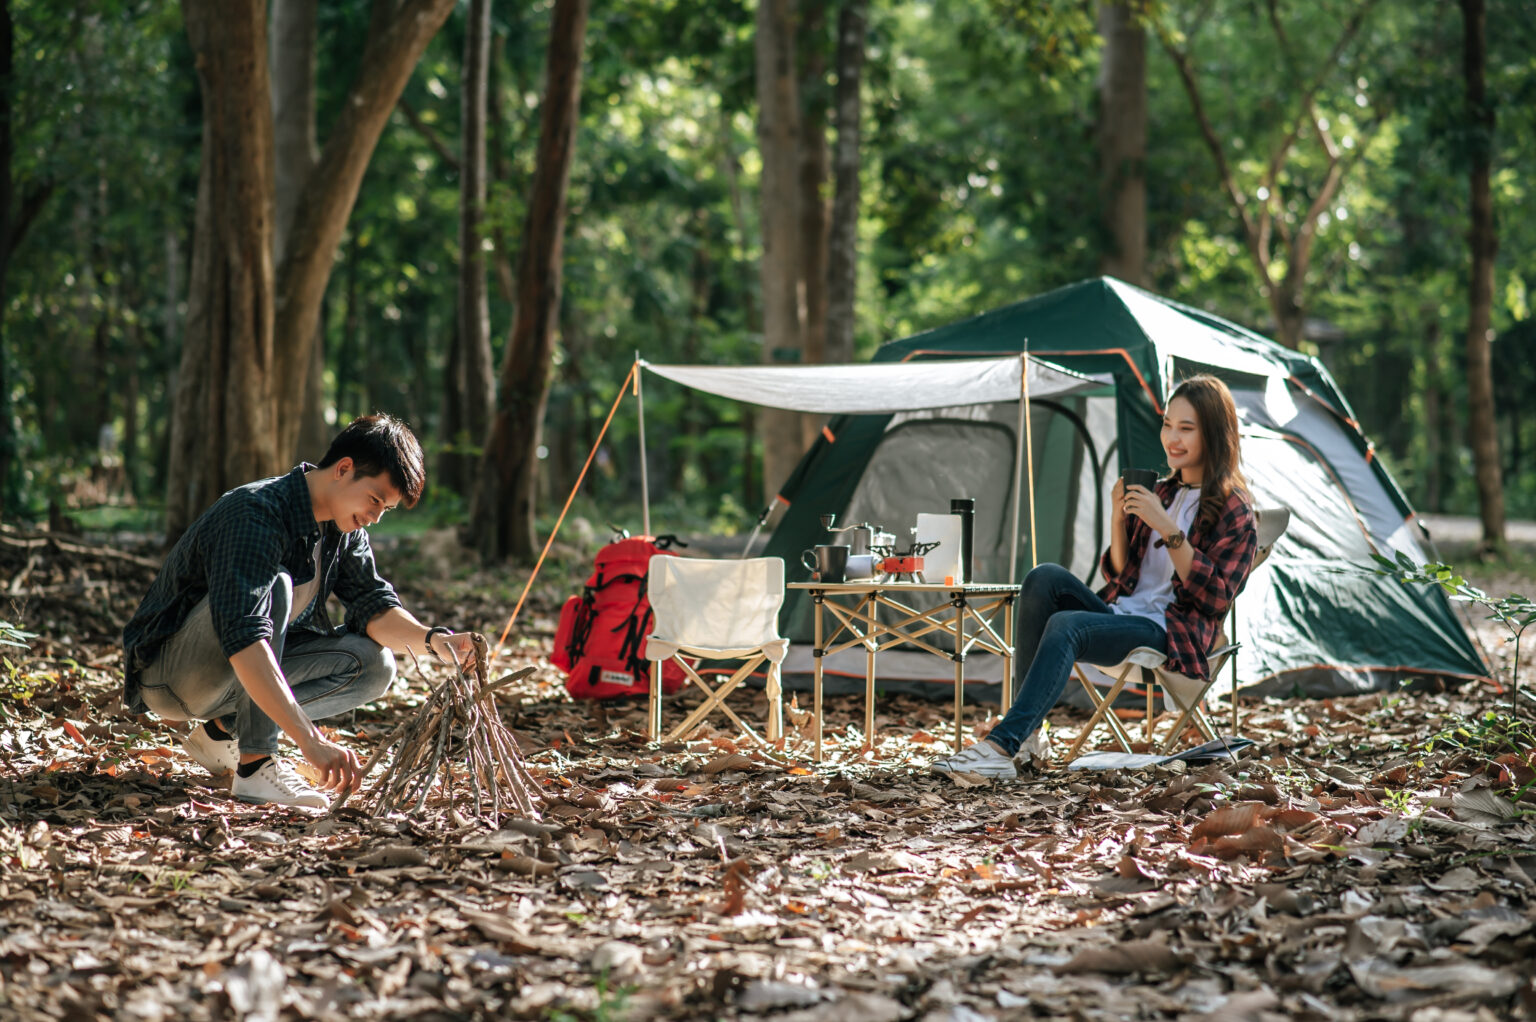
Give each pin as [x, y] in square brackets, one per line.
[232, 554]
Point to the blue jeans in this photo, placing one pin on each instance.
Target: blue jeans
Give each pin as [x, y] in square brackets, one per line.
[1062, 621]
[192, 679]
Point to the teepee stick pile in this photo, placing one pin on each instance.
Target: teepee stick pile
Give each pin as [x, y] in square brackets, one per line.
[455, 739]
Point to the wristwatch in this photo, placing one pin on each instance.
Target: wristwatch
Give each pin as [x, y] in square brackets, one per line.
[1176, 540]
[431, 634]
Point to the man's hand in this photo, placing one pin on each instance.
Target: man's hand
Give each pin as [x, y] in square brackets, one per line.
[336, 767]
[461, 644]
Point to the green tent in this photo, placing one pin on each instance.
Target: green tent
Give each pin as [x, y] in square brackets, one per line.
[1303, 627]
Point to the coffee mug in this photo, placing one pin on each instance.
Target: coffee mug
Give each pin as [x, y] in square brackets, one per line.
[828, 560]
[1139, 477]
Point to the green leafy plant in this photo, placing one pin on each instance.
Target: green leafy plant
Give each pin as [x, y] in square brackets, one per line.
[1492, 734]
[1515, 612]
[10, 635]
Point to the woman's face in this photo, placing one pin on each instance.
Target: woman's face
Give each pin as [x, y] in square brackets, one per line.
[1181, 440]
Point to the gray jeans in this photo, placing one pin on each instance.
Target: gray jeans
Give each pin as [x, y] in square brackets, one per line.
[192, 679]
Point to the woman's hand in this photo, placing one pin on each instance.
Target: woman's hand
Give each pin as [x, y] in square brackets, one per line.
[1144, 504]
[1117, 504]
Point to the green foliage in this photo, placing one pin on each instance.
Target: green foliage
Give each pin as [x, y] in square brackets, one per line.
[979, 171]
[10, 635]
[1514, 612]
[1490, 735]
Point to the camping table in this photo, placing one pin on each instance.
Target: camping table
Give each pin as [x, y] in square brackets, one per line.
[969, 617]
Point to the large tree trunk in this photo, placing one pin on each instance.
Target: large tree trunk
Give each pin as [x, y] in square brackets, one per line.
[271, 402]
[843, 240]
[1484, 244]
[1122, 132]
[502, 515]
[293, 131]
[783, 311]
[396, 40]
[471, 384]
[223, 433]
[7, 437]
[814, 159]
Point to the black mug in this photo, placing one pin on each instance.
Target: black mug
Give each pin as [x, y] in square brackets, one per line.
[828, 560]
[1139, 477]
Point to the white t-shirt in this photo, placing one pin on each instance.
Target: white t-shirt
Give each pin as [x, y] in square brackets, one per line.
[1154, 591]
[305, 594]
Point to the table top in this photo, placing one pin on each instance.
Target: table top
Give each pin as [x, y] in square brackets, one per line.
[869, 585]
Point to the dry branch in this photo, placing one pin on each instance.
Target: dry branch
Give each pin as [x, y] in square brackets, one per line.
[456, 737]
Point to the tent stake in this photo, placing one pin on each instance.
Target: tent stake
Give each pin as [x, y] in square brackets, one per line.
[645, 487]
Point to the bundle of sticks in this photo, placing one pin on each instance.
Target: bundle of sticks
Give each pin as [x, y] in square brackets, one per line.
[457, 735]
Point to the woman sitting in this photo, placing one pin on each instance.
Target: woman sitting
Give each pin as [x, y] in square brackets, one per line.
[1177, 556]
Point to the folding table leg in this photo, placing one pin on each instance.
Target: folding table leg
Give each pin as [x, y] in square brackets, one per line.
[1008, 652]
[957, 602]
[818, 652]
[870, 647]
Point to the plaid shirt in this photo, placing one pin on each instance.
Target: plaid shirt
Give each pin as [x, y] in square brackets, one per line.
[1223, 556]
[232, 554]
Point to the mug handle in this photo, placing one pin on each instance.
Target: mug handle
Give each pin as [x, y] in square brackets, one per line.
[810, 565]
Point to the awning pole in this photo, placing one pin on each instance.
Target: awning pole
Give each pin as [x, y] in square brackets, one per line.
[645, 486]
[1018, 471]
[1029, 445]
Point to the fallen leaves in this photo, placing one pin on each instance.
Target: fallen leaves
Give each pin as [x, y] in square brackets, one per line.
[1333, 871]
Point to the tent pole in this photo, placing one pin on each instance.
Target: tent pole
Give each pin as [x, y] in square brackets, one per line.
[645, 487]
[1029, 462]
[1018, 469]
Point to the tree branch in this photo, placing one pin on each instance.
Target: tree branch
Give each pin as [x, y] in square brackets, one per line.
[32, 203]
[1213, 142]
[426, 131]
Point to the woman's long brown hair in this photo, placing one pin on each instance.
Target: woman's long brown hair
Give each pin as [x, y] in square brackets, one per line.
[1216, 413]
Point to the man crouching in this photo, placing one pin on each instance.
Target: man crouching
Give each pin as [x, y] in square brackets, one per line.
[234, 631]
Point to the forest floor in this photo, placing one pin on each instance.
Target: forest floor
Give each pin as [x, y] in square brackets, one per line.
[1372, 857]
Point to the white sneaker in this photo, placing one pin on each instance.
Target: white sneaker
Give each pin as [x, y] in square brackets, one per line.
[277, 784]
[214, 756]
[983, 759]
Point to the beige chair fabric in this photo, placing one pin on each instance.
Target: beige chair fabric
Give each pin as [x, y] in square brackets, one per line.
[719, 610]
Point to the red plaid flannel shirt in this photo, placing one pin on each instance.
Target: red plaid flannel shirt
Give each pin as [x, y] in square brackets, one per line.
[1223, 557]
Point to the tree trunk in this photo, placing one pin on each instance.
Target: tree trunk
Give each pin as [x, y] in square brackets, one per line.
[814, 160]
[7, 190]
[250, 397]
[783, 311]
[467, 416]
[395, 42]
[843, 242]
[1434, 409]
[1484, 243]
[223, 433]
[1122, 138]
[499, 168]
[502, 515]
[292, 61]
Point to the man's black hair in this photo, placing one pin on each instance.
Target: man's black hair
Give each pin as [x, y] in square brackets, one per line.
[380, 443]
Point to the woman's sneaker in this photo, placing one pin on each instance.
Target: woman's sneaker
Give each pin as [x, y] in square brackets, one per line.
[215, 756]
[276, 783]
[983, 759]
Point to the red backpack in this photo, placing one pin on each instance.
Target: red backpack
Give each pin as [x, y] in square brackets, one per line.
[600, 641]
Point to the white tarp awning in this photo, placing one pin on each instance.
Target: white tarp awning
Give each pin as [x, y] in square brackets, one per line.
[869, 388]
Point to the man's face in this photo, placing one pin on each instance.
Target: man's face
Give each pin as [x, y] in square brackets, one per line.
[359, 501]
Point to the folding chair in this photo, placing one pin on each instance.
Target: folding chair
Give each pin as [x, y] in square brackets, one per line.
[1184, 692]
[720, 610]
